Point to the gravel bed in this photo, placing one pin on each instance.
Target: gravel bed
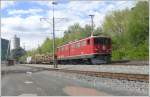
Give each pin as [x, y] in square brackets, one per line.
[109, 68]
[101, 68]
[118, 87]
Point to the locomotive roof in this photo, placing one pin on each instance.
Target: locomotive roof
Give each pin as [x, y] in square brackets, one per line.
[81, 40]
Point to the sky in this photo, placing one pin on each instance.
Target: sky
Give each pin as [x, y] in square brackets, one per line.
[22, 18]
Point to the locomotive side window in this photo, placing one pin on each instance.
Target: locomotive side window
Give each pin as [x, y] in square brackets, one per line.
[66, 48]
[88, 42]
[62, 48]
[73, 45]
[83, 43]
[78, 45]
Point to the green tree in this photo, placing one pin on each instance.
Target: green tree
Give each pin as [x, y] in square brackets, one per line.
[47, 46]
[138, 26]
[129, 32]
[115, 23]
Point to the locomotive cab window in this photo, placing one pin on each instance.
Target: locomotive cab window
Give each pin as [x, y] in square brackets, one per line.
[88, 42]
[103, 41]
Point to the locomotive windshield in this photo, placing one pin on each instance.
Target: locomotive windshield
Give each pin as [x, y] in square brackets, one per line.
[102, 40]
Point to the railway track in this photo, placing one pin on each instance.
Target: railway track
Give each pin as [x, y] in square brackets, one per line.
[128, 62]
[121, 76]
[121, 62]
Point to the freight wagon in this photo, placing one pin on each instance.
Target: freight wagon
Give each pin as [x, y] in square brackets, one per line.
[41, 59]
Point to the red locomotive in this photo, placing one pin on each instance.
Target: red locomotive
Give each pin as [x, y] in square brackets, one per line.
[94, 50]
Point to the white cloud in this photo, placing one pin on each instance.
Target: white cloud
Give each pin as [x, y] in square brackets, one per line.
[84, 6]
[119, 5]
[5, 4]
[30, 11]
[125, 4]
[29, 29]
[29, 24]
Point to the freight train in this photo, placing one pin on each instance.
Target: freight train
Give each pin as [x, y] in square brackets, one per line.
[91, 50]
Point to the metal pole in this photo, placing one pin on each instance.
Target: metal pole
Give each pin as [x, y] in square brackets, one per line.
[54, 60]
[92, 24]
[53, 33]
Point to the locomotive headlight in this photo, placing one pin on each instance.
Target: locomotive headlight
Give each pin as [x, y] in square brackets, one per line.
[104, 47]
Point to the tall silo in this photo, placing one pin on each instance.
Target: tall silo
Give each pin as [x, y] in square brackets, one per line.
[16, 42]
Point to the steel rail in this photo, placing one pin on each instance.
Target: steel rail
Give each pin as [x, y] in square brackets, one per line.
[121, 76]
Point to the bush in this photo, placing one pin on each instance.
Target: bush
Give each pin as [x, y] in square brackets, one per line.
[130, 52]
[139, 53]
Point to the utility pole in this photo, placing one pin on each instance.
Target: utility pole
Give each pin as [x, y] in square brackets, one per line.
[54, 58]
[53, 33]
[92, 24]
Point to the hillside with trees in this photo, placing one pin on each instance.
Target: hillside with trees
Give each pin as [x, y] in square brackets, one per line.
[128, 28]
